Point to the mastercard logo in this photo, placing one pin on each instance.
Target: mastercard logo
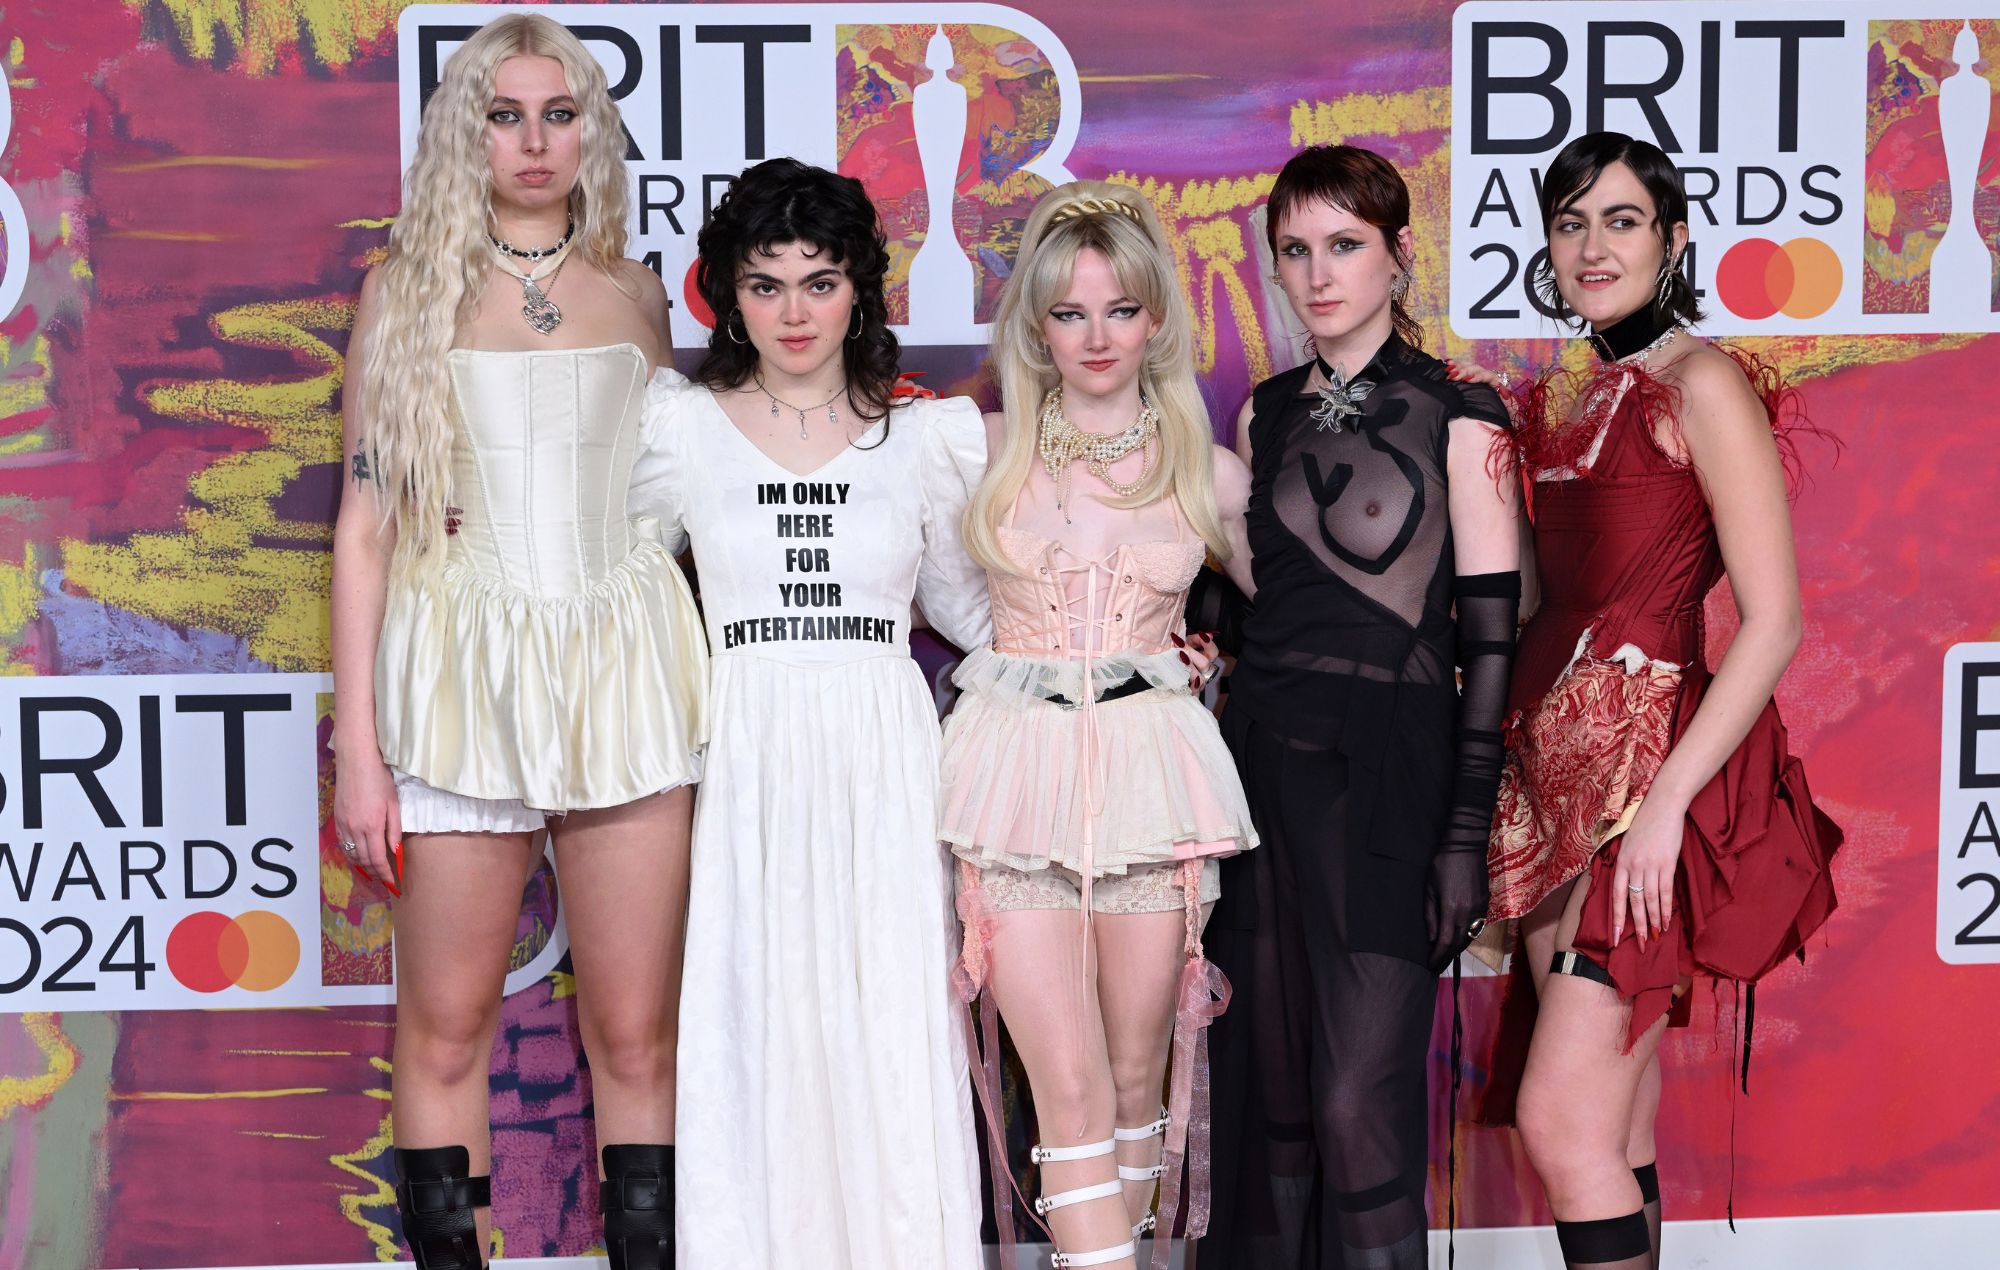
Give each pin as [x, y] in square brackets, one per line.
[208, 952]
[1758, 278]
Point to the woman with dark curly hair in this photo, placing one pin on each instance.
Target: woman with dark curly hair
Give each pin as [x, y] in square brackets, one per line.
[824, 1118]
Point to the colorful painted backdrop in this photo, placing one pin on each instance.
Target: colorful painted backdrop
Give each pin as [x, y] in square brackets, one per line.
[203, 183]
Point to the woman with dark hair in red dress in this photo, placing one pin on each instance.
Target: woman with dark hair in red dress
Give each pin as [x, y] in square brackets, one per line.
[1651, 825]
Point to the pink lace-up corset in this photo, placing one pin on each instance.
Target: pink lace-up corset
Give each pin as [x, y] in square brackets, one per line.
[1066, 606]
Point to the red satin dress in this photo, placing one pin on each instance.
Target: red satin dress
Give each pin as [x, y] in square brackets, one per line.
[1607, 676]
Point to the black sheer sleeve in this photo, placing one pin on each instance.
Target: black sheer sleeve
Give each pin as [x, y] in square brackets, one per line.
[1215, 604]
[1488, 605]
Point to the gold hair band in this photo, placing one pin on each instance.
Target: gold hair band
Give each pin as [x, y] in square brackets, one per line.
[1097, 207]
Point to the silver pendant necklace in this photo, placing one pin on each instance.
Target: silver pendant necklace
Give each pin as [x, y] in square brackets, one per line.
[832, 414]
[537, 310]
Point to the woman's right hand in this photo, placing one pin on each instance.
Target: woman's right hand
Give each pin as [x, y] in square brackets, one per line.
[366, 815]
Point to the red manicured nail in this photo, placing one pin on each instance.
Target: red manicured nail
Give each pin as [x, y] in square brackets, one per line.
[399, 862]
[1178, 641]
[1184, 660]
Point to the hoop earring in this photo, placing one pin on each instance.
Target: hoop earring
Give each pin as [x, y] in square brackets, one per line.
[860, 320]
[730, 323]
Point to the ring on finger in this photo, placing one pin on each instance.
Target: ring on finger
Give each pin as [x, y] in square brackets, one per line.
[349, 847]
[1636, 888]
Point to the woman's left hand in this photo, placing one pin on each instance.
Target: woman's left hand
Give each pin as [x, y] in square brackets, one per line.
[1648, 858]
[1200, 654]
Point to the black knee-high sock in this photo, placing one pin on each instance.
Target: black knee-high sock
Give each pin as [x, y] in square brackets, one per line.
[1615, 1243]
[1648, 1178]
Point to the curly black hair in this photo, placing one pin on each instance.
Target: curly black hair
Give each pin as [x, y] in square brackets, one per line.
[782, 201]
[1572, 175]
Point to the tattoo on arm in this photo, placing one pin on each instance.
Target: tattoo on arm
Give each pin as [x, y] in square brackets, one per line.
[363, 474]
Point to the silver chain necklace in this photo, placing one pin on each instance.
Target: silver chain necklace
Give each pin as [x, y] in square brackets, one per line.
[832, 414]
[1645, 355]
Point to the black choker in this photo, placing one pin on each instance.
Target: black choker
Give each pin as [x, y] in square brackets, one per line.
[1631, 333]
[536, 253]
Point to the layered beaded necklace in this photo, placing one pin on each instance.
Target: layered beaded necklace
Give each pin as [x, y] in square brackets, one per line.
[1062, 443]
[537, 310]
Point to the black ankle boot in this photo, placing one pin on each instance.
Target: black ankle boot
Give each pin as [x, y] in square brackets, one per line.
[637, 1198]
[437, 1199]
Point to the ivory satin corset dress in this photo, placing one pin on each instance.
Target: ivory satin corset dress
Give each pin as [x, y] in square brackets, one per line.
[555, 656]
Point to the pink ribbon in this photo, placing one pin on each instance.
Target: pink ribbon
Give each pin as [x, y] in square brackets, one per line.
[982, 1042]
[1204, 995]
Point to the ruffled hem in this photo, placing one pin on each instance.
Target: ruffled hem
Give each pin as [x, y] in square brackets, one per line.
[1161, 785]
[564, 704]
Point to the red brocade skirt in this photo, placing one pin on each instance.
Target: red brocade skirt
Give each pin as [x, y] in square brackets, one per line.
[1753, 882]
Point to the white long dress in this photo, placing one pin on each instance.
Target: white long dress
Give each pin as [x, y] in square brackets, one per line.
[823, 1120]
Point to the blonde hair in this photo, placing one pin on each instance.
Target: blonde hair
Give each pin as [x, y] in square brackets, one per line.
[1117, 222]
[439, 261]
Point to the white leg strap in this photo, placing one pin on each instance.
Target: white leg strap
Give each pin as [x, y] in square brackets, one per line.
[1138, 1173]
[1145, 1131]
[1103, 1256]
[1144, 1225]
[1081, 1195]
[1088, 1151]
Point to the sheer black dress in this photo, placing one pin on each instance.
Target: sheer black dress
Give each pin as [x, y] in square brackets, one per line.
[1368, 772]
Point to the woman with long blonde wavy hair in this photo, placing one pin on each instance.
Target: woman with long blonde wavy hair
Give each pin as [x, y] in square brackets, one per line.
[514, 650]
[1087, 792]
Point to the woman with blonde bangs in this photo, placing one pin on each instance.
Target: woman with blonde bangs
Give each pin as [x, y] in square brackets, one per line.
[1087, 792]
[514, 650]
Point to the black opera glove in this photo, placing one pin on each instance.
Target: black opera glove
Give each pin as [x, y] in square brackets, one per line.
[1214, 604]
[1454, 900]
[1487, 606]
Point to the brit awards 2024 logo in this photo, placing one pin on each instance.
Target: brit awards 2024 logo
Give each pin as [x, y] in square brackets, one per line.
[1842, 163]
[165, 844]
[957, 117]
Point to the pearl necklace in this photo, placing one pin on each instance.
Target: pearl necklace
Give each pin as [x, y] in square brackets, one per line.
[1062, 443]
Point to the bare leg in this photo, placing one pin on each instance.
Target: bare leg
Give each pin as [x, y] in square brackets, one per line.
[1641, 1153]
[1045, 986]
[1139, 961]
[454, 928]
[1579, 1097]
[624, 876]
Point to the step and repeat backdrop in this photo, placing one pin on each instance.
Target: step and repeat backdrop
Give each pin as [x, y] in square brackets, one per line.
[196, 992]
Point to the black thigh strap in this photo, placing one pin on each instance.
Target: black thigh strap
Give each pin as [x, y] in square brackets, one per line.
[1575, 963]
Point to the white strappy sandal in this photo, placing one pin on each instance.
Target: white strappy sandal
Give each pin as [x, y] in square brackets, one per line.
[1143, 1173]
[1115, 1188]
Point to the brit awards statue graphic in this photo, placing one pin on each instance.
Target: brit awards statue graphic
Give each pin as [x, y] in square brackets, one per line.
[1962, 269]
[941, 277]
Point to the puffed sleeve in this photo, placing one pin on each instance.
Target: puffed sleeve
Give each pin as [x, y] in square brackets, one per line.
[951, 586]
[659, 472]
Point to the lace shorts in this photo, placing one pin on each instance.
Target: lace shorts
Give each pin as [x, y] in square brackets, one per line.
[1145, 888]
[427, 809]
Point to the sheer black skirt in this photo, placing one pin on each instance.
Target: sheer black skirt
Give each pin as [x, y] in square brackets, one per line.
[1320, 1061]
